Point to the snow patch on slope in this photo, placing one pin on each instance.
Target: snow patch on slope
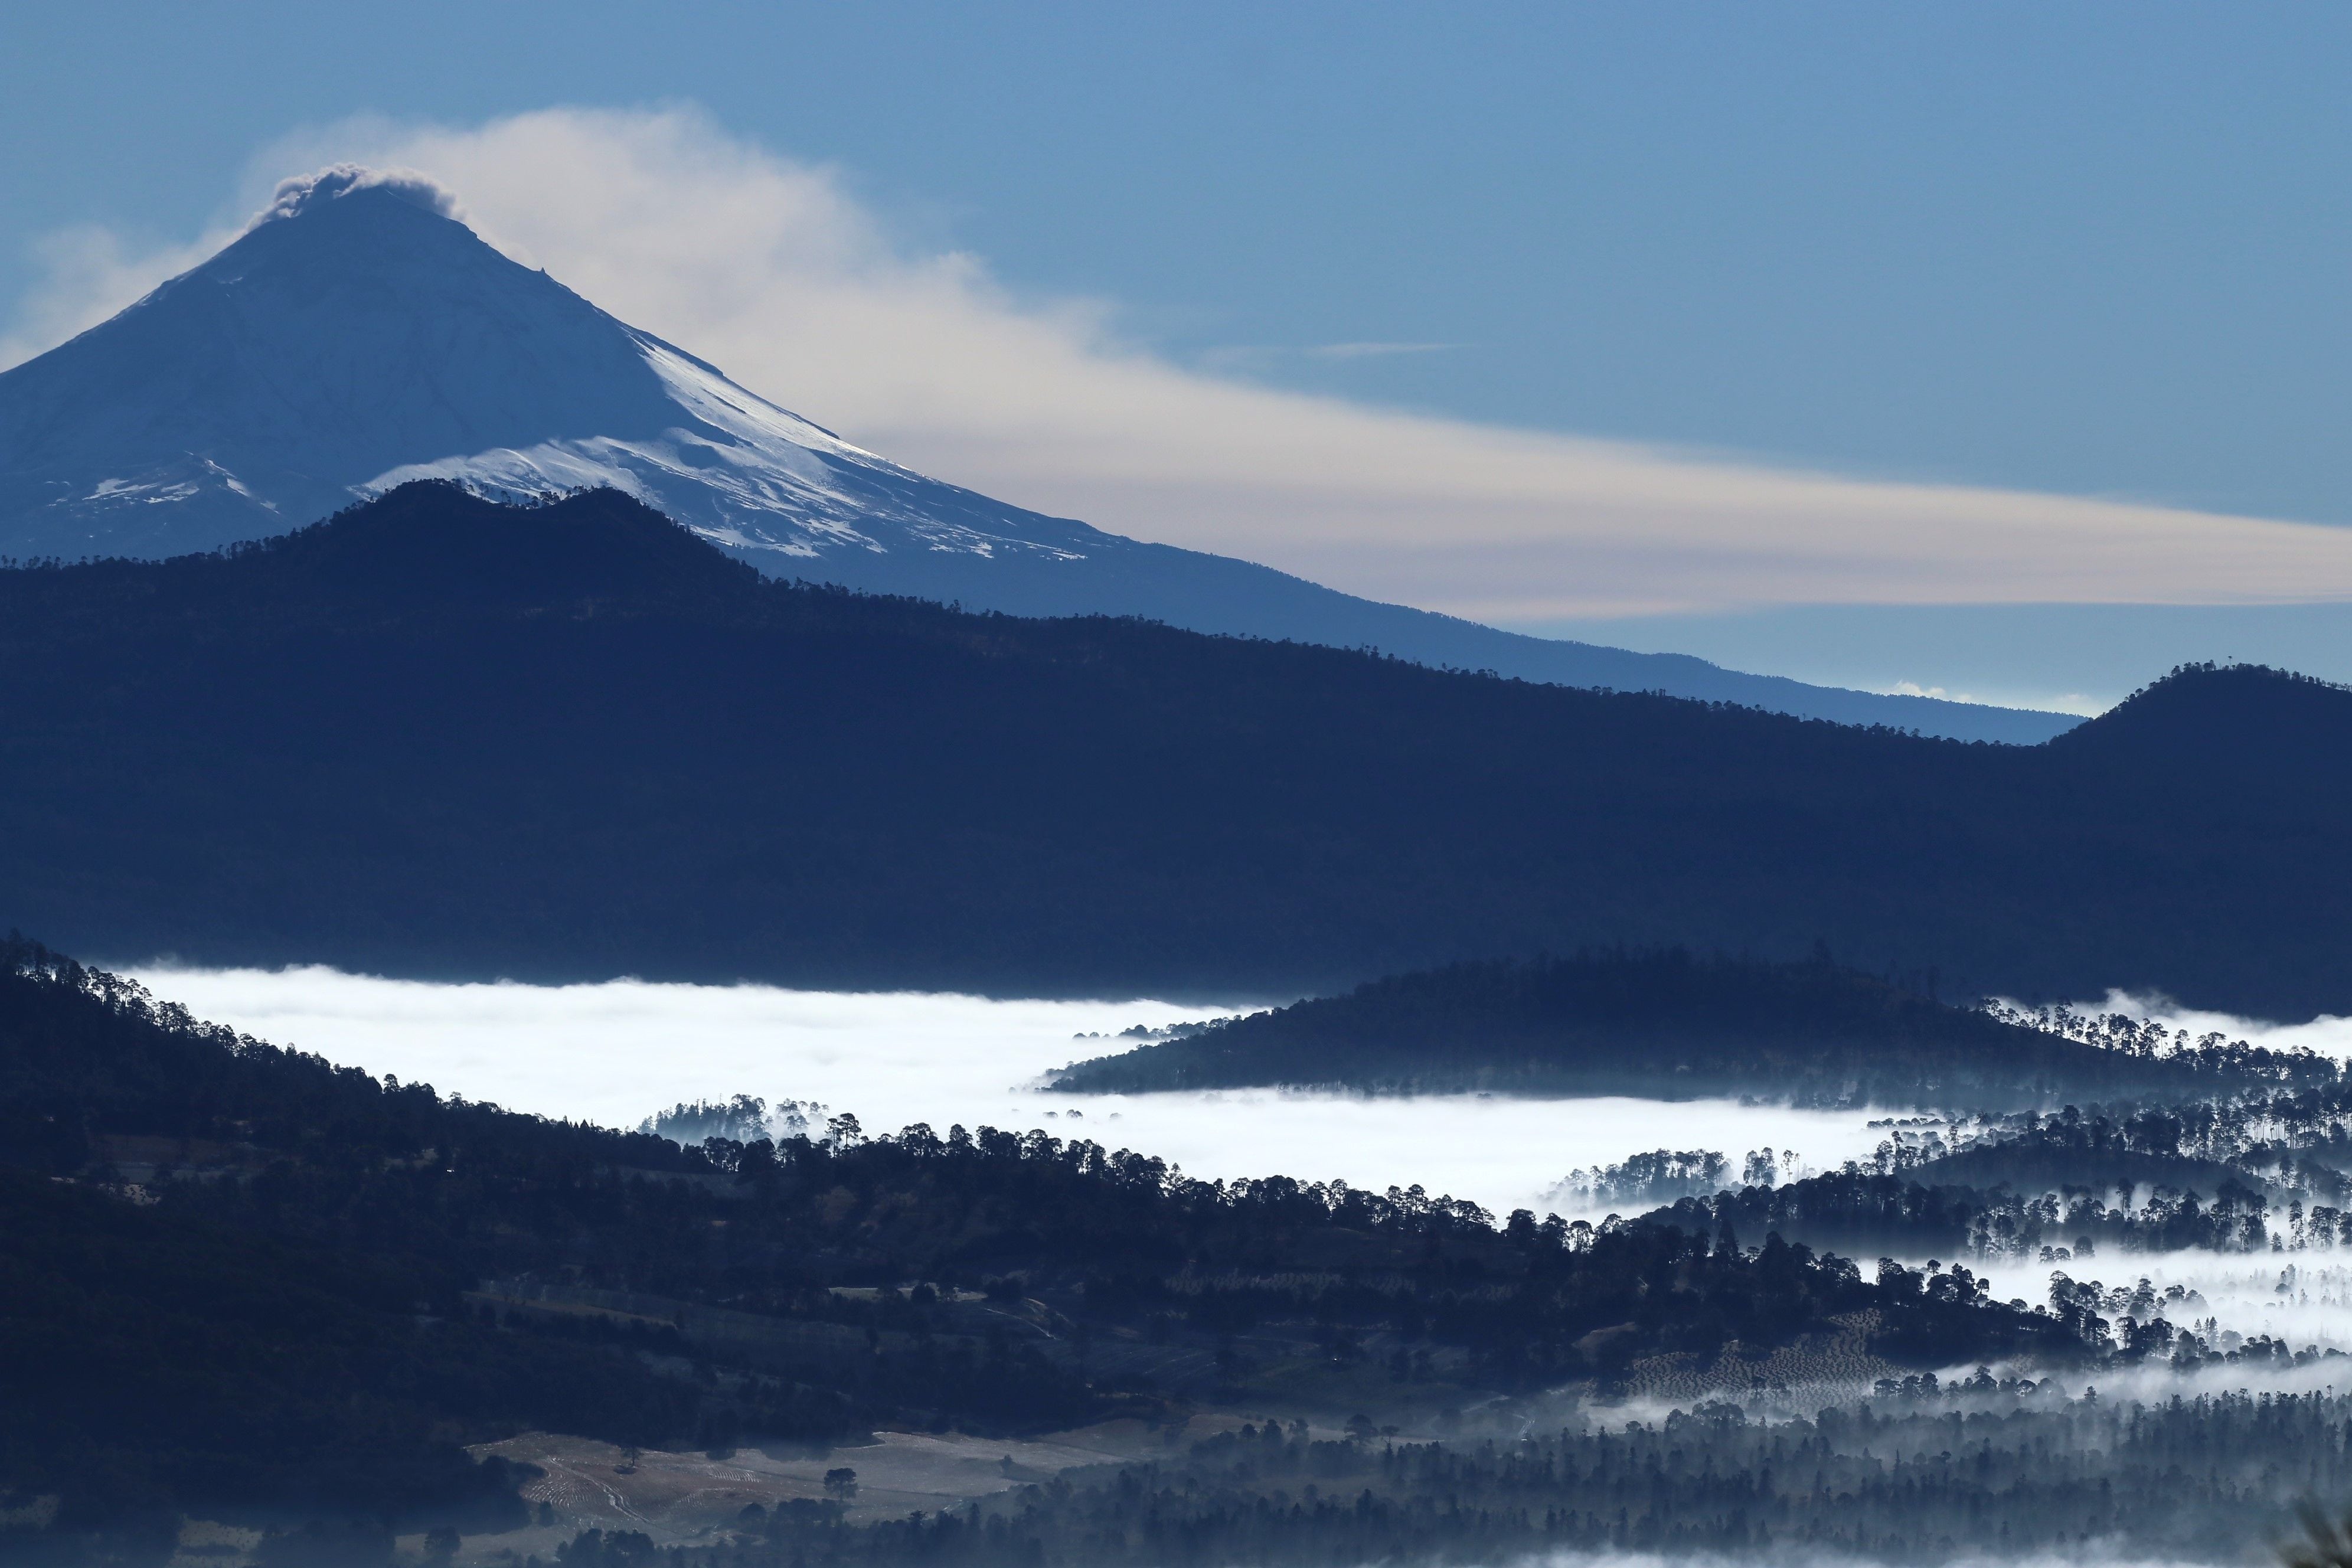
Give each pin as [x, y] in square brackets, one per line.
[736, 470]
[185, 479]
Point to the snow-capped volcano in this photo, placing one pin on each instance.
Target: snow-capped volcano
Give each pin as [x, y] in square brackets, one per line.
[358, 335]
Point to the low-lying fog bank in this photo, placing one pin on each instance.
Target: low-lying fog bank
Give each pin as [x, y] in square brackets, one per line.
[618, 1052]
[2328, 1034]
[2304, 1300]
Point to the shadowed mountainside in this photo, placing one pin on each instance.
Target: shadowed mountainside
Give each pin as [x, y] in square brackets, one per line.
[438, 736]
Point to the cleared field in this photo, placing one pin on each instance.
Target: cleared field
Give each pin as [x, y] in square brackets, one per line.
[682, 1497]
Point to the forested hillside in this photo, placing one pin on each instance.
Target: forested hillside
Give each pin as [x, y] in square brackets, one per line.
[2250, 1171]
[1668, 1023]
[239, 1277]
[440, 737]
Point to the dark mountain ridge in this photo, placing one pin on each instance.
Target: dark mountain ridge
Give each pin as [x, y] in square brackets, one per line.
[439, 736]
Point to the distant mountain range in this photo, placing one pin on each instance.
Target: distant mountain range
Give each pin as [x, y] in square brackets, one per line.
[356, 337]
[439, 736]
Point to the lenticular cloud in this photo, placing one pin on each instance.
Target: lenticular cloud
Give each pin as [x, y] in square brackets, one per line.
[769, 268]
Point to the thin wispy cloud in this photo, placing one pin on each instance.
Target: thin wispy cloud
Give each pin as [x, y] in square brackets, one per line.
[86, 273]
[2058, 703]
[770, 269]
[1258, 358]
[1373, 351]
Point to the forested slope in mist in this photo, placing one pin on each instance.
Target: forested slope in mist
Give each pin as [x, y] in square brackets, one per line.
[440, 737]
[239, 1277]
[1668, 1023]
[2252, 1170]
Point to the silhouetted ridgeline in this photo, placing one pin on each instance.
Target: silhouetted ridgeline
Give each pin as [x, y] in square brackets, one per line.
[236, 1275]
[1669, 1023]
[435, 736]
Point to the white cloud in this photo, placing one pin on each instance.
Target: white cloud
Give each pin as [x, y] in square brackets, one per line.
[87, 274]
[770, 269]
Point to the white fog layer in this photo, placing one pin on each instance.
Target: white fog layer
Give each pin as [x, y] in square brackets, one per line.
[617, 1052]
[2328, 1034]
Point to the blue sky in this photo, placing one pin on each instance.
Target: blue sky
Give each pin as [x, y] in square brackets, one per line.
[2098, 250]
